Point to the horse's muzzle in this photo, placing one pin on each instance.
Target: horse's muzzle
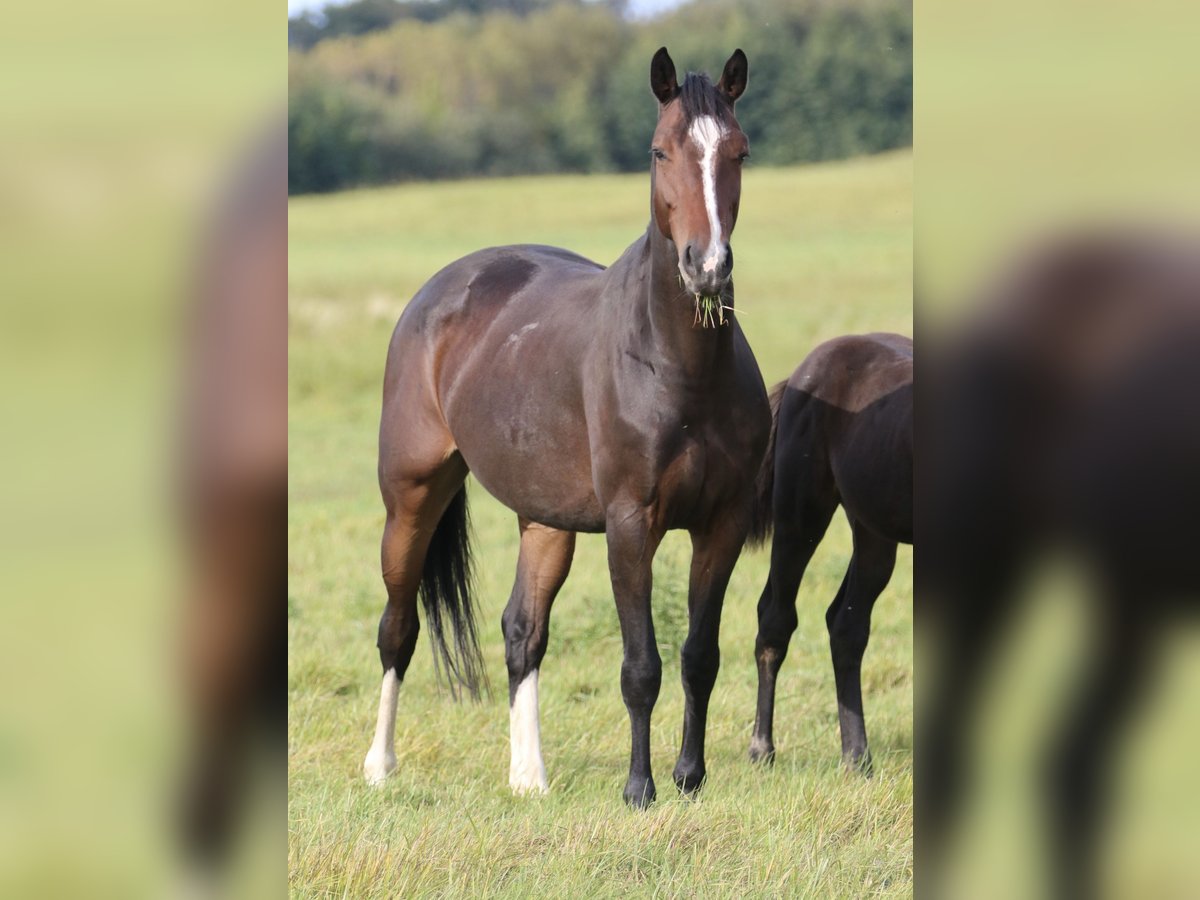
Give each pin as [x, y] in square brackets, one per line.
[706, 271]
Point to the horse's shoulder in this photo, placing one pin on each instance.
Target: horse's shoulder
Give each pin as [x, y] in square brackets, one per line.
[487, 279]
[508, 261]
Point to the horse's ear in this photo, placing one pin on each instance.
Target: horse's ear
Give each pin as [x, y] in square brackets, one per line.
[733, 79]
[662, 77]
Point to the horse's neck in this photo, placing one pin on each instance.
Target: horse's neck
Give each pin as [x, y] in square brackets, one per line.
[659, 315]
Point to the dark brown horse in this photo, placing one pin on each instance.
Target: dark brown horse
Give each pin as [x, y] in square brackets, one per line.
[619, 400]
[842, 434]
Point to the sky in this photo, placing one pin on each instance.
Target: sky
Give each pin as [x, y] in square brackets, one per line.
[637, 7]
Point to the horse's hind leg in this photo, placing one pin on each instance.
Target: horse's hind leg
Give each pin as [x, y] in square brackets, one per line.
[849, 621]
[542, 568]
[415, 506]
[804, 506]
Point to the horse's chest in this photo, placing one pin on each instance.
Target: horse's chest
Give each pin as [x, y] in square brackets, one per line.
[690, 481]
[684, 473]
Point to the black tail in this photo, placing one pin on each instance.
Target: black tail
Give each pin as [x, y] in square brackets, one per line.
[762, 518]
[446, 593]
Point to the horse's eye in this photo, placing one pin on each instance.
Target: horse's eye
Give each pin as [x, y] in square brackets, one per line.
[657, 154]
[742, 157]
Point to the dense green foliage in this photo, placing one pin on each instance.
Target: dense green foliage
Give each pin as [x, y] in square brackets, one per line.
[539, 88]
[337, 19]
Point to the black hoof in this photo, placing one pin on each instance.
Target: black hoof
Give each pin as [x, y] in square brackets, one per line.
[690, 781]
[762, 753]
[640, 794]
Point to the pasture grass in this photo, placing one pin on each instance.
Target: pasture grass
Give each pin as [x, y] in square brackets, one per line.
[821, 251]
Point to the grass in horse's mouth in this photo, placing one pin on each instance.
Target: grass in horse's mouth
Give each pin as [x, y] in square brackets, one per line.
[710, 309]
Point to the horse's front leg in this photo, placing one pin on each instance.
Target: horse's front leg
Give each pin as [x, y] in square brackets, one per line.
[715, 551]
[632, 543]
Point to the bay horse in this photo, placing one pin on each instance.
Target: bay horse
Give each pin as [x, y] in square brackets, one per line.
[842, 434]
[586, 399]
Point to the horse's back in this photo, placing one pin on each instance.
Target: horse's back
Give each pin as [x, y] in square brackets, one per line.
[852, 396]
[854, 370]
[449, 319]
[480, 284]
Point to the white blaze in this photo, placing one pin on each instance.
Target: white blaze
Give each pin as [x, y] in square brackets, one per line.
[706, 132]
[527, 772]
[381, 758]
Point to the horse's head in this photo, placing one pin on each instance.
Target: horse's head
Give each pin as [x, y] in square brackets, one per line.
[696, 172]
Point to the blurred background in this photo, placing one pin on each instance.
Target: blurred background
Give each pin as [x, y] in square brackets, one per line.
[382, 91]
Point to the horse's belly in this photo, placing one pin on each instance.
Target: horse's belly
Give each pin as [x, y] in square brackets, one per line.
[532, 464]
[559, 496]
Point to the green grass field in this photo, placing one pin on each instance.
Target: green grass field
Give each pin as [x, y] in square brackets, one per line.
[821, 251]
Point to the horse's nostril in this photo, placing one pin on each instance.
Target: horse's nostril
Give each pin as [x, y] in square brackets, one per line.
[727, 263]
[687, 256]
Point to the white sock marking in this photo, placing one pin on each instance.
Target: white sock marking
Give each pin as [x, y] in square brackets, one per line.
[527, 772]
[706, 132]
[381, 758]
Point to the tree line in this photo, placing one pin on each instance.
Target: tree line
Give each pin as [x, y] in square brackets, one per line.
[444, 89]
[362, 16]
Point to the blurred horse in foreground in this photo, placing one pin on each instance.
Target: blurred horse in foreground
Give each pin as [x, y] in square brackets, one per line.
[1062, 417]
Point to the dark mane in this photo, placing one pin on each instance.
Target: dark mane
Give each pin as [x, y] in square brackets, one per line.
[699, 97]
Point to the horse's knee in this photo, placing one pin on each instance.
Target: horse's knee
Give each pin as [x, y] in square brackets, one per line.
[776, 625]
[848, 640]
[641, 678]
[699, 665]
[848, 631]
